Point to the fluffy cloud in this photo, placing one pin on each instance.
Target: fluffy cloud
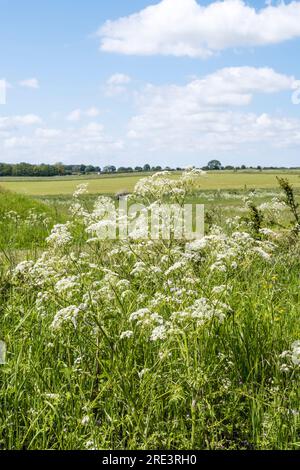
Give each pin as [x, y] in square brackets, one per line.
[30, 83]
[199, 115]
[233, 86]
[208, 114]
[47, 133]
[215, 131]
[9, 122]
[74, 115]
[119, 79]
[77, 114]
[92, 112]
[86, 143]
[117, 84]
[185, 28]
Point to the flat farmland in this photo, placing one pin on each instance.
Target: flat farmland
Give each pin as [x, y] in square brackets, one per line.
[107, 184]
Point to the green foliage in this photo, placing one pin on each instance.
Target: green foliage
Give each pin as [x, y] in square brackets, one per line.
[290, 200]
[24, 222]
[255, 219]
[86, 369]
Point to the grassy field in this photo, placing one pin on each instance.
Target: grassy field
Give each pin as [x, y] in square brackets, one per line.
[113, 184]
[150, 344]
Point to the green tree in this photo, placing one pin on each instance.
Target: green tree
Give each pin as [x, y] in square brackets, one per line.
[214, 165]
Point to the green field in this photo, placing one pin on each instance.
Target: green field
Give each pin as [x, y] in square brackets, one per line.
[113, 184]
[135, 343]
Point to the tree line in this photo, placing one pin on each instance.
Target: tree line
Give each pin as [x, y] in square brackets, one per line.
[59, 169]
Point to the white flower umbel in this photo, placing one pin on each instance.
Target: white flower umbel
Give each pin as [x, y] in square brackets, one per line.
[80, 190]
[126, 334]
[296, 353]
[159, 333]
[60, 236]
[65, 315]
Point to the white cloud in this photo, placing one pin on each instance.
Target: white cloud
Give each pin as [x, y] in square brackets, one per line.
[9, 122]
[17, 142]
[208, 114]
[117, 84]
[199, 115]
[185, 28]
[92, 112]
[119, 79]
[30, 83]
[77, 114]
[47, 133]
[233, 86]
[74, 115]
[87, 143]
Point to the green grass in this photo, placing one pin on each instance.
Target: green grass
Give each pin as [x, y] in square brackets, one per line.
[24, 224]
[211, 382]
[113, 184]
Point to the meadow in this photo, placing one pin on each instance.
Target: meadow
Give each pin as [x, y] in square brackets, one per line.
[111, 184]
[150, 344]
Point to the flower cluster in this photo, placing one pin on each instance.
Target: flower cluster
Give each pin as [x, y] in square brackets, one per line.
[291, 357]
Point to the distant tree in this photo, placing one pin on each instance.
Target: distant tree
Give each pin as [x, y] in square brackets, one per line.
[89, 169]
[147, 167]
[22, 169]
[214, 165]
[60, 169]
[138, 168]
[6, 169]
[109, 169]
[75, 169]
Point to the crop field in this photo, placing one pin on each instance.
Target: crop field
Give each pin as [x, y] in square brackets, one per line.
[118, 183]
[144, 343]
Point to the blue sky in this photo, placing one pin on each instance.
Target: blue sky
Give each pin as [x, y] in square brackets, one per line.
[176, 84]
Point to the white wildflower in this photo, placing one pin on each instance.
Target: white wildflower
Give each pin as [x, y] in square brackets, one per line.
[143, 372]
[52, 396]
[59, 236]
[85, 420]
[139, 314]
[68, 314]
[159, 333]
[80, 190]
[296, 352]
[126, 334]
[262, 253]
[66, 284]
[219, 289]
